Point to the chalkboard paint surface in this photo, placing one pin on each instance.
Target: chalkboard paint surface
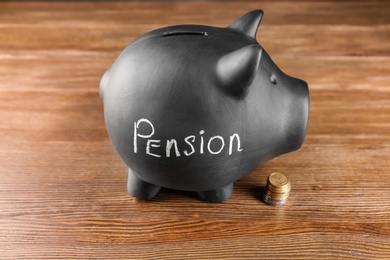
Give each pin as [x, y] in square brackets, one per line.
[193, 107]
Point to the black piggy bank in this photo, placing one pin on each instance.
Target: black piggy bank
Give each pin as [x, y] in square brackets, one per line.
[193, 107]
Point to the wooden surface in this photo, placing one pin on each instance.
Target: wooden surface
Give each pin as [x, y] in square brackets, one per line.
[63, 187]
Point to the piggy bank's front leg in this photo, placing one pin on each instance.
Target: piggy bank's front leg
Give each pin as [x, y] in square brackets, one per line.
[140, 189]
[218, 195]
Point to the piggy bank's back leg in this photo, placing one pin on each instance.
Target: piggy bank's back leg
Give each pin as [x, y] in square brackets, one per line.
[218, 195]
[141, 189]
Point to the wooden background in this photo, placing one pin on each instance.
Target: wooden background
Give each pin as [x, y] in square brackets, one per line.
[63, 187]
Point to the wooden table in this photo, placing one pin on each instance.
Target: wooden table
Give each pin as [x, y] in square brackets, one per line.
[63, 187]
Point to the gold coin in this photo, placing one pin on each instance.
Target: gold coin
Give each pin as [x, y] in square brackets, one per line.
[277, 189]
[277, 179]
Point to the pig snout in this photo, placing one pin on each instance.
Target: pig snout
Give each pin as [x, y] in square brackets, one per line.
[299, 115]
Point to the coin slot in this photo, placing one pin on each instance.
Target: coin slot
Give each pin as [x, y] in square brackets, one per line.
[178, 33]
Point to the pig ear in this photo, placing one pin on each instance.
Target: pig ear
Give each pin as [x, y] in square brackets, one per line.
[248, 23]
[236, 70]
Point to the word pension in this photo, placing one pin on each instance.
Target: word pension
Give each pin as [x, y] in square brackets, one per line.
[214, 145]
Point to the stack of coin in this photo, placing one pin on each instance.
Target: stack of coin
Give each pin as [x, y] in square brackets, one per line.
[277, 189]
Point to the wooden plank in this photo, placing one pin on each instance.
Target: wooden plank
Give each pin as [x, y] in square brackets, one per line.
[111, 14]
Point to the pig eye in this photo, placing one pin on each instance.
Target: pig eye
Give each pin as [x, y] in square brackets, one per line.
[273, 79]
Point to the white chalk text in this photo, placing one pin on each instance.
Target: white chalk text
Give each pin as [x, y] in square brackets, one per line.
[214, 145]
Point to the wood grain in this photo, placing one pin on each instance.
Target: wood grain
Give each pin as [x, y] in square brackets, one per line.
[63, 188]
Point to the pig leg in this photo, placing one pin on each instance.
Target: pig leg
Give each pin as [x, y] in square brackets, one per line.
[141, 189]
[218, 195]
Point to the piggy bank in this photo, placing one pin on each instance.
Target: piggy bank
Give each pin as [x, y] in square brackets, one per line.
[195, 108]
